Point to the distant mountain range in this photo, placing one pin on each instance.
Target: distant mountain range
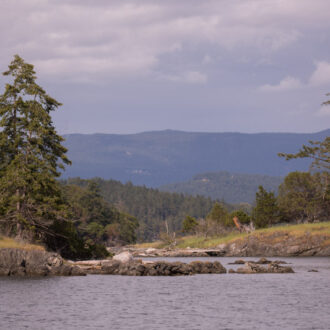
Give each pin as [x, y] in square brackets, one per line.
[230, 187]
[159, 158]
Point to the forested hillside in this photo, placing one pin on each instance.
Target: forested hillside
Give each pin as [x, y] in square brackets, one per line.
[97, 220]
[231, 187]
[150, 206]
[159, 158]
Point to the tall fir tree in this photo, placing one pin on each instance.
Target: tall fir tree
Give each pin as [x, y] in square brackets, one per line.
[31, 154]
[266, 212]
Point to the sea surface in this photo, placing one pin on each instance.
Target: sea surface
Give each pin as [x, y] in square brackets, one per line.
[223, 301]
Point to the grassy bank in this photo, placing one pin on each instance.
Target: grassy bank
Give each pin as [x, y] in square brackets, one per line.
[6, 242]
[277, 233]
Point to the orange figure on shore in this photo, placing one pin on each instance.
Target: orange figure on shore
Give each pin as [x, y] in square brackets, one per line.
[237, 223]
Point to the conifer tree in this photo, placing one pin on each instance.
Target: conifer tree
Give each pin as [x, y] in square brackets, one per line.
[218, 213]
[31, 155]
[266, 212]
[318, 151]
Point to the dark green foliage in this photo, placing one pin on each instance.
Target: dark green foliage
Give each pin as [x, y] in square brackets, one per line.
[266, 212]
[30, 155]
[95, 219]
[32, 206]
[243, 217]
[326, 102]
[150, 206]
[218, 214]
[231, 187]
[70, 245]
[305, 197]
[318, 151]
[189, 224]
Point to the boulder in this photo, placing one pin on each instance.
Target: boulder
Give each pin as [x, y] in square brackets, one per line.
[123, 257]
[207, 267]
[263, 261]
[150, 250]
[253, 268]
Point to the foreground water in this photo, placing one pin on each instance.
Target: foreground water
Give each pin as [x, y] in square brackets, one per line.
[225, 301]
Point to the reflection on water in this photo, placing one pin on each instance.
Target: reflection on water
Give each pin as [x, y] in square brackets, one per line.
[224, 301]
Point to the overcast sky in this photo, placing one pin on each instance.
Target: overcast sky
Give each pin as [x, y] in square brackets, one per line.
[212, 65]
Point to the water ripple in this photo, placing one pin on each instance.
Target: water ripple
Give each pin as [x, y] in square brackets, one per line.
[226, 301]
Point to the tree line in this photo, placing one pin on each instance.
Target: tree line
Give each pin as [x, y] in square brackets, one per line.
[302, 197]
[150, 206]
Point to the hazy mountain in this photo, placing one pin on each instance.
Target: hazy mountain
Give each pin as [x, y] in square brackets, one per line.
[163, 157]
[233, 188]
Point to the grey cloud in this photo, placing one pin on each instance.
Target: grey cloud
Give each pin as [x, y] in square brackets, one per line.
[196, 64]
[130, 36]
[320, 76]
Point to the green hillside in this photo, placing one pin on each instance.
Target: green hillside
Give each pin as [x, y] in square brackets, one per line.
[231, 187]
[150, 206]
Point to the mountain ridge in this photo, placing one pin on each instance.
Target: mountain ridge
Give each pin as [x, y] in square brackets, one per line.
[158, 158]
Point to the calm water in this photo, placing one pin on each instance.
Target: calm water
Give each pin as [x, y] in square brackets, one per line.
[226, 301]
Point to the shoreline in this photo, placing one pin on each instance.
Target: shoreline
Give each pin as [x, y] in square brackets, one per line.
[281, 243]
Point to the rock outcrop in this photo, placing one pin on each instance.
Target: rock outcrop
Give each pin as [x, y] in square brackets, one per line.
[161, 268]
[172, 253]
[253, 268]
[278, 244]
[23, 262]
[124, 264]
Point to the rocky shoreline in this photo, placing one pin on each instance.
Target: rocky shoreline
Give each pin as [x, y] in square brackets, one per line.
[277, 244]
[23, 263]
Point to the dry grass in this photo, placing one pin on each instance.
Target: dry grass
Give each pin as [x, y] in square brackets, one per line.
[6, 242]
[311, 228]
[155, 245]
[210, 242]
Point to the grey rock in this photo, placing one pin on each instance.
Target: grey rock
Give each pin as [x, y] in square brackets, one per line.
[21, 262]
[160, 268]
[123, 257]
[253, 268]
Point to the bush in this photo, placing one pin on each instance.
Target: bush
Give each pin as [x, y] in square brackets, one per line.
[189, 224]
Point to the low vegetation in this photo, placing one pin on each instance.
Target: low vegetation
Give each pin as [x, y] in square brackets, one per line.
[7, 242]
[213, 241]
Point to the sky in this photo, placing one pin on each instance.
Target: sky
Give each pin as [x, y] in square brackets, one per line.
[214, 65]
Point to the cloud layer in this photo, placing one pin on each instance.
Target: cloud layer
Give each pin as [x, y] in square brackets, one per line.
[226, 61]
[84, 38]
